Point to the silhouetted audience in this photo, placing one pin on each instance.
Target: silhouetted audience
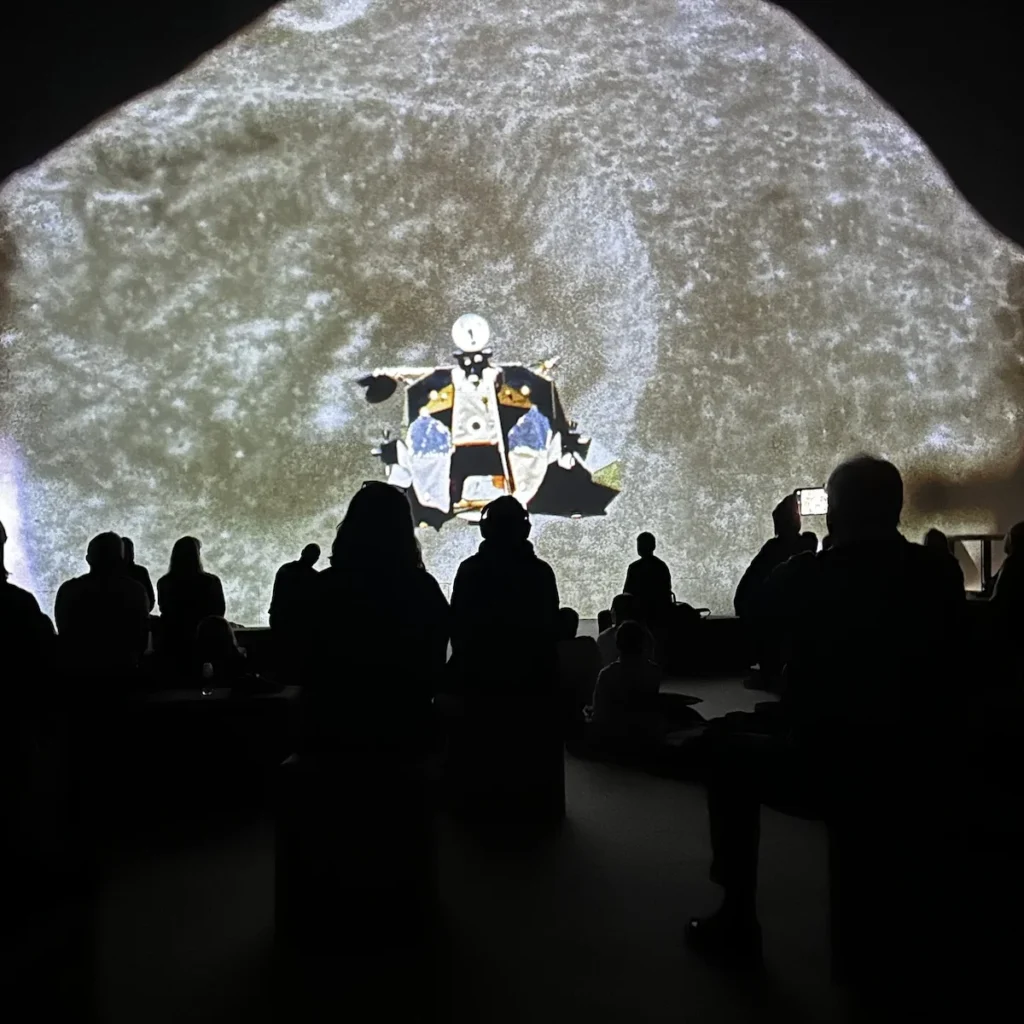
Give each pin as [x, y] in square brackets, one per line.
[103, 616]
[868, 626]
[579, 663]
[289, 606]
[809, 541]
[27, 643]
[378, 634]
[1008, 595]
[605, 620]
[625, 709]
[292, 586]
[623, 610]
[139, 573]
[187, 595]
[787, 542]
[649, 581]
[221, 662]
[505, 610]
[937, 541]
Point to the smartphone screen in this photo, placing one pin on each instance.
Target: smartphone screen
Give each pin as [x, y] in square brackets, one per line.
[813, 501]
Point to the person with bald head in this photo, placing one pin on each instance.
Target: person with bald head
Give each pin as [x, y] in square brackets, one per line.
[870, 628]
[103, 616]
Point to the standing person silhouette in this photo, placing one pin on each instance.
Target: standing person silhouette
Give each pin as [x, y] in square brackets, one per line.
[787, 542]
[377, 627]
[508, 748]
[862, 734]
[187, 595]
[137, 572]
[103, 616]
[505, 599]
[649, 580]
[289, 605]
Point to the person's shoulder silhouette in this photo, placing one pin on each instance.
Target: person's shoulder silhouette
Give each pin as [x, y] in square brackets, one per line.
[783, 545]
[103, 616]
[27, 633]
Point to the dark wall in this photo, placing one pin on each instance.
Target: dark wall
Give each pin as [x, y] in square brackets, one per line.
[951, 71]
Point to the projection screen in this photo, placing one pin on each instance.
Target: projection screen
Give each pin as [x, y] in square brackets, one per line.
[725, 262]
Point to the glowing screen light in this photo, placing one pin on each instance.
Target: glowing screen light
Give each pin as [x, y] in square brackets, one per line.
[733, 263]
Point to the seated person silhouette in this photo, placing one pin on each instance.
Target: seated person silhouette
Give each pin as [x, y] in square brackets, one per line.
[28, 643]
[623, 610]
[377, 640]
[937, 541]
[867, 624]
[221, 662]
[103, 616]
[186, 595]
[786, 543]
[137, 572]
[649, 581]
[505, 624]
[625, 716]
[579, 663]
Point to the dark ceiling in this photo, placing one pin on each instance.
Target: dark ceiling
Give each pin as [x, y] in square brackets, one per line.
[951, 71]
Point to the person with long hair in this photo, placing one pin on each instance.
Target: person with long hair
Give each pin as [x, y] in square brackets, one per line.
[186, 595]
[378, 632]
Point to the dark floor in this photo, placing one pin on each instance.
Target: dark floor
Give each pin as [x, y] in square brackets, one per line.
[585, 927]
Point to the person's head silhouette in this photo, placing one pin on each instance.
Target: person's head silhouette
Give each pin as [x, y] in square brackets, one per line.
[786, 517]
[1014, 543]
[865, 499]
[623, 608]
[310, 555]
[105, 553]
[809, 541]
[129, 550]
[3, 543]
[568, 623]
[936, 539]
[505, 521]
[186, 559]
[629, 640]
[645, 544]
[377, 531]
[215, 639]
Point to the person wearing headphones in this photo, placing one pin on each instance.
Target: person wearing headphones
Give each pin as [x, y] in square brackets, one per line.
[505, 626]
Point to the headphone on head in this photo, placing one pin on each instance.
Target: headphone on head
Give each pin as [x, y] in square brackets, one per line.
[490, 519]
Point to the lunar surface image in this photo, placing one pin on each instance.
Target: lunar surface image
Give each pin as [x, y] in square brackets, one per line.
[745, 264]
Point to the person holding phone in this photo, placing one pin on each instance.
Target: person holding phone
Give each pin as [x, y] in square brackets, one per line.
[862, 734]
